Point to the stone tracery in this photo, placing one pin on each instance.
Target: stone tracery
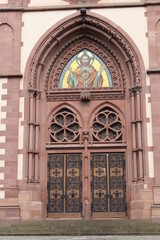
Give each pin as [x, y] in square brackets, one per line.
[107, 126]
[64, 127]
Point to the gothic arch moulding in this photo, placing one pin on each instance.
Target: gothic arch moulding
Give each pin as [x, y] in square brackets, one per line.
[74, 33]
[67, 106]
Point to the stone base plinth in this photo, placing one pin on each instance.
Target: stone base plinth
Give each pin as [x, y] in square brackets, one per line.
[155, 213]
[9, 215]
[156, 204]
[156, 195]
[141, 202]
[31, 206]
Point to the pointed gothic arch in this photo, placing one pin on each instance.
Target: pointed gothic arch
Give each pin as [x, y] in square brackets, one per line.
[101, 121]
[62, 35]
[45, 66]
[69, 116]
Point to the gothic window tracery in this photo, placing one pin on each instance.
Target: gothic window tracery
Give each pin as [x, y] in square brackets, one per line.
[64, 127]
[107, 126]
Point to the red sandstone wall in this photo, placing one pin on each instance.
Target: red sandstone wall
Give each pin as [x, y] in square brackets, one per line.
[153, 17]
[10, 47]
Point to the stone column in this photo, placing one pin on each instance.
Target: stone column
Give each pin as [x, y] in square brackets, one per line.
[136, 121]
[31, 135]
[139, 134]
[133, 124]
[37, 126]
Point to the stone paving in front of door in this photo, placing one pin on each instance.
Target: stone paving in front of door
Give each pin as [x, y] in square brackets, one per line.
[79, 238]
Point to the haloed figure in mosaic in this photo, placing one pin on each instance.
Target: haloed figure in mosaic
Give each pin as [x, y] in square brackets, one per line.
[85, 75]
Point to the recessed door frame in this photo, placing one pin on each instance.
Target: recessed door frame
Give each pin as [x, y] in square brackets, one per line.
[91, 149]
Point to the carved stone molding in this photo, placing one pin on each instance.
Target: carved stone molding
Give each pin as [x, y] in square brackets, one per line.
[135, 89]
[85, 95]
[77, 44]
[85, 135]
[60, 38]
[64, 127]
[107, 126]
[76, 95]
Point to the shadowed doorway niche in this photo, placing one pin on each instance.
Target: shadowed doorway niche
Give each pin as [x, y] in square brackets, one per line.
[84, 115]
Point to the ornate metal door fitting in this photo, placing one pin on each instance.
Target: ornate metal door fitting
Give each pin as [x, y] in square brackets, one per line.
[108, 184]
[64, 183]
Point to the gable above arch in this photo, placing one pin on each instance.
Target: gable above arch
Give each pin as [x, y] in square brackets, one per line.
[76, 34]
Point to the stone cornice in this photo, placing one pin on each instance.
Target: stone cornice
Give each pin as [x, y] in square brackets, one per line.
[75, 95]
[79, 6]
[9, 9]
[153, 71]
[11, 76]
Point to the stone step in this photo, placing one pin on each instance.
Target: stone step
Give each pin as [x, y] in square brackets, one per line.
[70, 227]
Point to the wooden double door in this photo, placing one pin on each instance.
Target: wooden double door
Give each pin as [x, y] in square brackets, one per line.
[65, 185]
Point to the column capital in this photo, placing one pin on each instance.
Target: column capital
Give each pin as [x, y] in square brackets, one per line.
[35, 92]
[135, 89]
